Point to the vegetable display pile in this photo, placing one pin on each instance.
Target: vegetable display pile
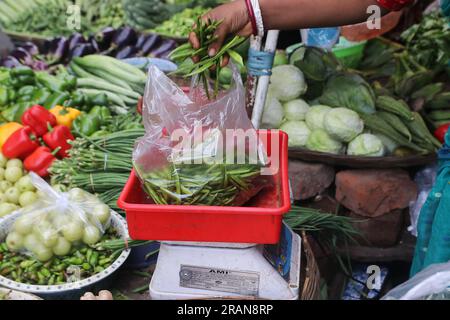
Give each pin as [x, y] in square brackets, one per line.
[16, 189]
[326, 108]
[121, 43]
[50, 18]
[180, 25]
[89, 259]
[100, 165]
[48, 229]
[416, 73]
[122, 83]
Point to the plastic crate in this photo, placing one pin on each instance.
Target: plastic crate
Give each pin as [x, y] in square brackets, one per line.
[351, 56]
[257, 222]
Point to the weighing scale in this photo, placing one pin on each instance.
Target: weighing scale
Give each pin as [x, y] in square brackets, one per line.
[193, 270]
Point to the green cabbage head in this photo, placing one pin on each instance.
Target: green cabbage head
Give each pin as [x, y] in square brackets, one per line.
[367, 145]
[316, 116]
[343, 124]
[320, 140]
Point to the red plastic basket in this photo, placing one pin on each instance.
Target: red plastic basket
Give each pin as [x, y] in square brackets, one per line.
[257, 222]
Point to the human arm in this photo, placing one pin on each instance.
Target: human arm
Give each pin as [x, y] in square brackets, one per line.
[290, 14]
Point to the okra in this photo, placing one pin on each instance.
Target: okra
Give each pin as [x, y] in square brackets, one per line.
[398, 107]
[395, 122]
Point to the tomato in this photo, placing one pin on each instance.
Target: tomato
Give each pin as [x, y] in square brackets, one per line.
[440, 132]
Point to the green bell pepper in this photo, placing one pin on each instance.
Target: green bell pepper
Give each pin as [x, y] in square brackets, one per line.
[53, 83]
[77, 100]
[40, 95]
[11, 95]
[102, 112]
[86, 125]
[57, 98]
[26, 91]
[100, 99]
[14, 112]
[3, 96]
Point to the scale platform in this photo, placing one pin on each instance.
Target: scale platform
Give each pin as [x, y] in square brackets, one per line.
[196, 270]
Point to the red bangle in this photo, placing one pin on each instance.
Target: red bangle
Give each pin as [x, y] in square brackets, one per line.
[394, 5]
[251, 15]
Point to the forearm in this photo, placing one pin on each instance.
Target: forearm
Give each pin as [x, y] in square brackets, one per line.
[297, 14]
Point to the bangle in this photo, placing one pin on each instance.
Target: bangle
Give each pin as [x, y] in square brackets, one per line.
[258, 17]
[251, 15]
[394, 5]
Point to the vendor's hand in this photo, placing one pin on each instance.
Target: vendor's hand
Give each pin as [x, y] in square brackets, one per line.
[235, 21]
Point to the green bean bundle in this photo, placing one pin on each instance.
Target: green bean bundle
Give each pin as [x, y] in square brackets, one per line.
[200, 184]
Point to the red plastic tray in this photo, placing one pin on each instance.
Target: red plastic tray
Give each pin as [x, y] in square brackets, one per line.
[259, 221]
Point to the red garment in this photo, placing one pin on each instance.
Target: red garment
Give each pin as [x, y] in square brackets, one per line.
[394, 5]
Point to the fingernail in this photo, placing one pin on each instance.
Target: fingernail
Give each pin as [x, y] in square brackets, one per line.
[212, 52]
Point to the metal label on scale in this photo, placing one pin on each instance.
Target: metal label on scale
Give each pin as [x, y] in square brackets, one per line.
[213, 279]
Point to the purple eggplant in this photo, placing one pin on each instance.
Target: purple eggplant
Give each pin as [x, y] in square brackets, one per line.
[164, 49]
[23, 56]
[125, 36]
[126, 52]
[31, 48]
[39, 65]
[141, 40]
[58, 49]
[105, 37]
[82, 49]
[94, 43]
[74, 40]
[152, 41]
[10, 62]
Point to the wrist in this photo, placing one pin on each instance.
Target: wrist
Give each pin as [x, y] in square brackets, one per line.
[251, 16]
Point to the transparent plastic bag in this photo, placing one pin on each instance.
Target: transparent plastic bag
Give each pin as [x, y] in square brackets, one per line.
[432, 283]
[424, 180]
[57, 221]
[198, 151]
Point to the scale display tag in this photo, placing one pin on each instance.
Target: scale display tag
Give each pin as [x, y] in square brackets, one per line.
[213, 279]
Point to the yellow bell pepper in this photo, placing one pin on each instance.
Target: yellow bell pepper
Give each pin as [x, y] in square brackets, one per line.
[65, 115]
[8, 129]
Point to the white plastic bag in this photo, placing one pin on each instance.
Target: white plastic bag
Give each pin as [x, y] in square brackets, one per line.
[431, 283]
[57, 221]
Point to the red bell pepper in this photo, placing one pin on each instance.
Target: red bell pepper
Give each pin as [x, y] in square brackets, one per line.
[441, 131]
[20, 144]
[40, 161]
[38, 118]
[58, 137]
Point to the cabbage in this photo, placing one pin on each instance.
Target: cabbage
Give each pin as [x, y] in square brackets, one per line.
[287, 82]
[343, 124]
[298, 132]
[273, 113]
[280, 58]
[295, 110]
[315, 117]
[366, 145]
[320, 140]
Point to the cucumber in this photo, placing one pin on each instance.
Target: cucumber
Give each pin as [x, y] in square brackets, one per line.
[114, 98]
[113, 66]
[104, 85]
[110, 78]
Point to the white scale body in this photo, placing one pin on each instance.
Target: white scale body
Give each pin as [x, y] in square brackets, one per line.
[195, 270]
